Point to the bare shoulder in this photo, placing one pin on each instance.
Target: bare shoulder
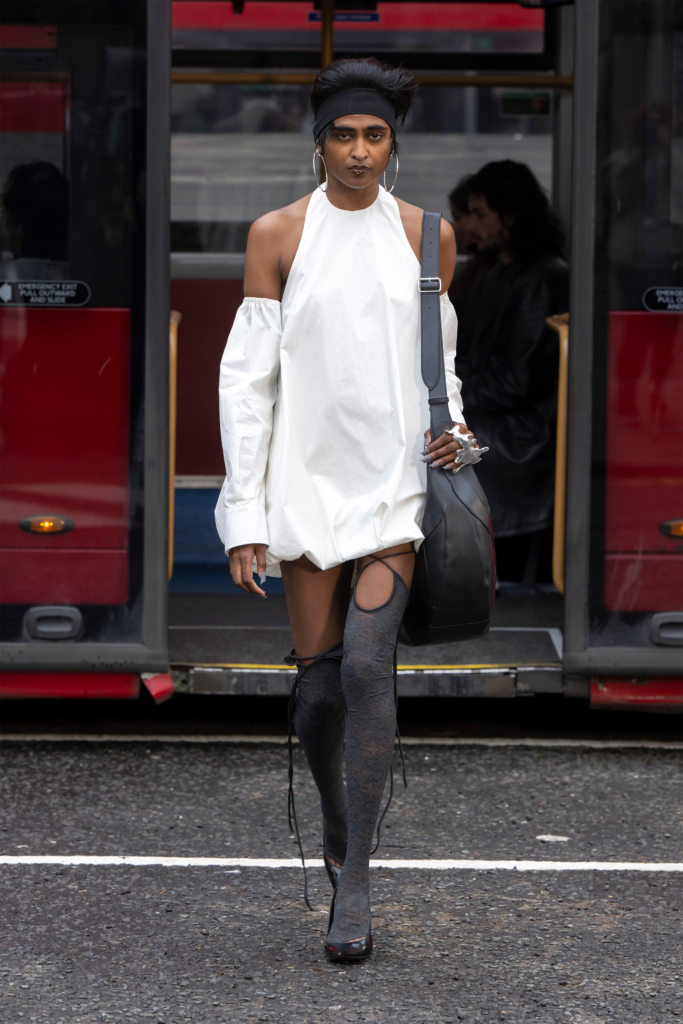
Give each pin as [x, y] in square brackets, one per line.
[407, 209]
[272, 244]
[277, 224]
[411, 216]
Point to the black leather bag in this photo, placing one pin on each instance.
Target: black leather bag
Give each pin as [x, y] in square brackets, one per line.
[455, 571]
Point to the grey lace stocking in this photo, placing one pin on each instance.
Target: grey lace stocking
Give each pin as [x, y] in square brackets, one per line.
[367, 679]
[319, 719]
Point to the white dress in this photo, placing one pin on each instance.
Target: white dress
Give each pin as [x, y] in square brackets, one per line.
[322, 404]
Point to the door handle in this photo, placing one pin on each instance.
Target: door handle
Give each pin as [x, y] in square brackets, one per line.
[560, 324]
[172, 409]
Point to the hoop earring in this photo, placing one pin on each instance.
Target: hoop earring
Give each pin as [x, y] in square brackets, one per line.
[315, 175]
[390, 190]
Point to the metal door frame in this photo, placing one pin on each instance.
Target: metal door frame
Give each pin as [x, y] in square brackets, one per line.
[152, 653]
[579, 656]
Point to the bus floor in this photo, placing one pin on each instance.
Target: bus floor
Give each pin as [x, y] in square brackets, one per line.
[244, 637]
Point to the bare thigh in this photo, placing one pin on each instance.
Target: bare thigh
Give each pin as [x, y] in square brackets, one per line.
[317, 602]
[318, 599]
[375, 578]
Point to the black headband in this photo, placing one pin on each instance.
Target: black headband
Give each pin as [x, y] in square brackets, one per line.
[353, 101]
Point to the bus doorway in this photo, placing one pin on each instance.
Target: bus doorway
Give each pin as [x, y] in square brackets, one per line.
[495, 83]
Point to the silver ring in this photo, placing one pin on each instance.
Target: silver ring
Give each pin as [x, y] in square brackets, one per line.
[469, 453]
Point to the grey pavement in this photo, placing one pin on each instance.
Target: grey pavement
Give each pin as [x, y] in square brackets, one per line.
[110, 943]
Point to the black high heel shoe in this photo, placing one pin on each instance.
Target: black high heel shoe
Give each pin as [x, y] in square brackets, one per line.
[346, 952]
[333, 871]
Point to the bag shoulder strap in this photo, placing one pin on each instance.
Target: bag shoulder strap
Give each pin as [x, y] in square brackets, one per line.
[433, 371]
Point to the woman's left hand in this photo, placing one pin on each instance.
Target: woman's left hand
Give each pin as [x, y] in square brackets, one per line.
[443, 451]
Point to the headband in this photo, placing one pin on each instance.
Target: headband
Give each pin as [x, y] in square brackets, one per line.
[353, 101]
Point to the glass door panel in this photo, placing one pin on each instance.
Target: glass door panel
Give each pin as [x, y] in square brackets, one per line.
[636, 562]
[72, 308]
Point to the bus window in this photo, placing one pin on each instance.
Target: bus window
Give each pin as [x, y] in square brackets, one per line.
[72, 286]
[637, 507]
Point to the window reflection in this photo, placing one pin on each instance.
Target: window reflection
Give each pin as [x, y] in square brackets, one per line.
[239, 151]
[35, 223]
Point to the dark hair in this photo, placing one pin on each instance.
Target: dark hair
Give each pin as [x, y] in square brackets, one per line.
[395, 84]
[512, 190]
[36, 198]
[460, 196]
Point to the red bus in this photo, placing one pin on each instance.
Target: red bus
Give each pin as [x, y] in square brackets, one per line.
[135, 130]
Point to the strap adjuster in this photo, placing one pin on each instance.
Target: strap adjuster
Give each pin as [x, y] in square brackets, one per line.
[429, 284]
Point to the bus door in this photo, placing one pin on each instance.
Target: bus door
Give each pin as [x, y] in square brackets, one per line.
[495, 83]
[83, 345]
[624, 528]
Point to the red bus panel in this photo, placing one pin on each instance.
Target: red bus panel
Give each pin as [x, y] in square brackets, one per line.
[64, 447]
[106, 686]
[644, 474]
[220, 14]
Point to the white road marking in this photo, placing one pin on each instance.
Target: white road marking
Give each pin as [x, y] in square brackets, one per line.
[79, 860]
[408, 741]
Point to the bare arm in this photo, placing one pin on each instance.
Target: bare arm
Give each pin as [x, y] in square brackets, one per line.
[262, 276]
[271, 248]
[448, 255]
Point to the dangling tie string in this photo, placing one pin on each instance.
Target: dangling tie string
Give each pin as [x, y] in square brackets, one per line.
[291, 659]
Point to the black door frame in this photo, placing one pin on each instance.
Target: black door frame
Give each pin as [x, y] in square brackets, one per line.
[151, 654]
[579, 656]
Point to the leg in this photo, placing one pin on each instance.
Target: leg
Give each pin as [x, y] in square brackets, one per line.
[370, 638]
[317, 602]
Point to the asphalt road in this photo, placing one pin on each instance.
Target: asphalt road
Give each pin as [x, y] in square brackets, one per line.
[216, 944]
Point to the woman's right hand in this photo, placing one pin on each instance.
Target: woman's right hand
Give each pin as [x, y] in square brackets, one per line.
[242, 566]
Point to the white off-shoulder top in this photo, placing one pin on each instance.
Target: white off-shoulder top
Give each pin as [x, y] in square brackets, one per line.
[322, 404]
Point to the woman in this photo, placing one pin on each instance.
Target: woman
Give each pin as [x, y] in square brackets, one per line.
[323, 415]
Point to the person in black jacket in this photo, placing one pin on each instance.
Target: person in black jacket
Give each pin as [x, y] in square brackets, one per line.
[510, 368]
[469, 276]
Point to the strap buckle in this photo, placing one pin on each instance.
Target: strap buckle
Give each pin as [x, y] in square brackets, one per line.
[431, 284]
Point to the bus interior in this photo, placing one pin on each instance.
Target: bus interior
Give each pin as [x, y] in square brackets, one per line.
[242, 149]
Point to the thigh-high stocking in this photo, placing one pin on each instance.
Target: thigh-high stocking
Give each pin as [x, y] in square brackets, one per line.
[367, 679]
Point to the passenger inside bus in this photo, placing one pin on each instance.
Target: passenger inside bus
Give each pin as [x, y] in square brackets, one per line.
[471, 269]
[35, 223]
[509, 362]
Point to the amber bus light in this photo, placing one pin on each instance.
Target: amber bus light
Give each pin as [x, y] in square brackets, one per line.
[672, 528]
[47, 524]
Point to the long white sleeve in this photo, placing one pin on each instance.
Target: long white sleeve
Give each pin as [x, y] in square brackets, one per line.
[449, 330]
[250, 369]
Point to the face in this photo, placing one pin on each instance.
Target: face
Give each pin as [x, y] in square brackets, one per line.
[489, 232]
[463, 238]
[359, 150]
